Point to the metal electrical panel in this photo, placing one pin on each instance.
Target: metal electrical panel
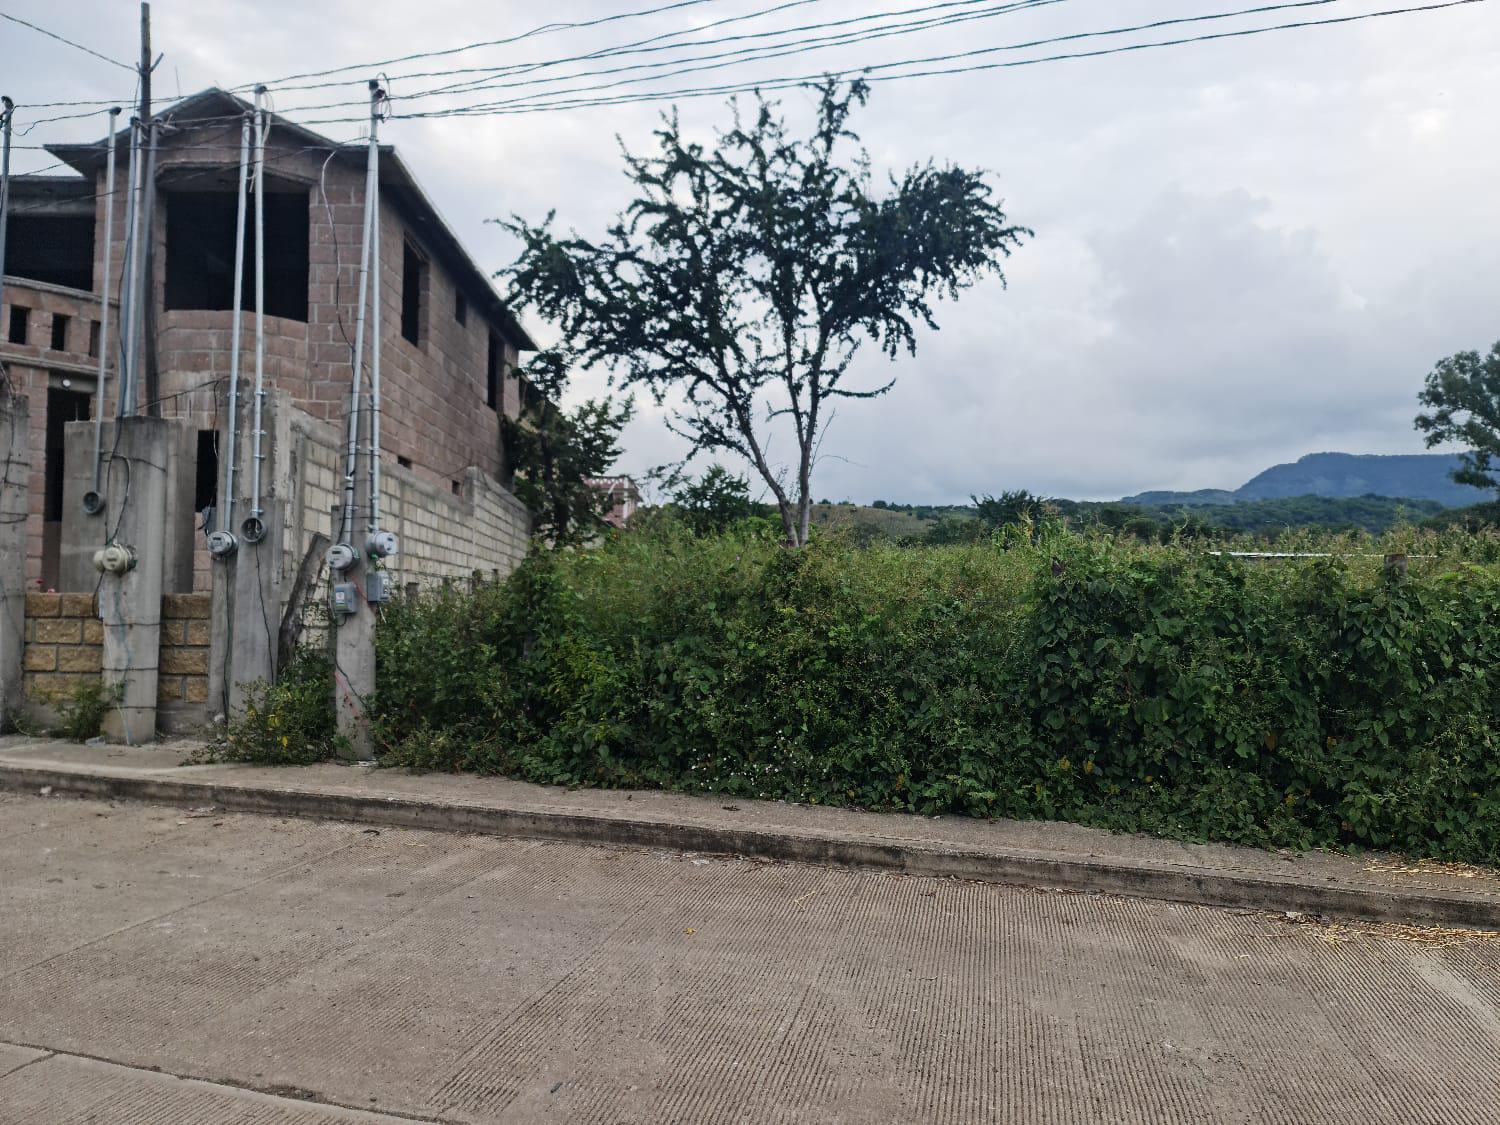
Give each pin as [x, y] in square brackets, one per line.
[344, 598]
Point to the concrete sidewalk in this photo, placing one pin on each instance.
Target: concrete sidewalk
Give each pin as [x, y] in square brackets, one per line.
[1042, 854]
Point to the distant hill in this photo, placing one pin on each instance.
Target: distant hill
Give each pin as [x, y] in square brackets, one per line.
[1417, 476]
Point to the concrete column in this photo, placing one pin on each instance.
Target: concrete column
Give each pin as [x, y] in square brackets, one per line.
[14, 467]
[137, 475]
[83, 534]
[354, 634]
[255, 606]
[247, 585]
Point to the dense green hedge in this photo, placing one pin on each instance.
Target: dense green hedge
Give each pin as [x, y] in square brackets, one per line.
[1159, 689]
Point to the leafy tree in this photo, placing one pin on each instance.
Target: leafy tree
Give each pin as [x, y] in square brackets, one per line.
[715, 501]
[743, 279]
[556, 452]
[1008, 507]
[1463, 392]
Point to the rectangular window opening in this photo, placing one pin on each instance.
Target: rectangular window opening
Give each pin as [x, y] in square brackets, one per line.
[63, 406]
[57, 249]
[413, 277]
[201, 252]
[460, 309]
[206, 482]
[404, 462]
[458, 489]
[20, 324]
[59, 332]
[94, 333]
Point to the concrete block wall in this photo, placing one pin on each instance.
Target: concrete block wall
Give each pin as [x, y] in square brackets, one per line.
[443, 535]
[65, 649]
[435, 390]
[64, 645]
[182, 675]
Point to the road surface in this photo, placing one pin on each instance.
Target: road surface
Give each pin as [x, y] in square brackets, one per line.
[170, 967]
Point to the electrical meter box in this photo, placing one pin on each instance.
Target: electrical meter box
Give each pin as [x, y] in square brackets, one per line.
[344, 596]
[376, 590]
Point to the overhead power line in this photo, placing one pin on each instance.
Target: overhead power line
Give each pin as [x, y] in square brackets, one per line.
[655, 46]
[521, 106]
[69, 42]
[508, 68]
[448, 51]
[922, 60]
[746, 54]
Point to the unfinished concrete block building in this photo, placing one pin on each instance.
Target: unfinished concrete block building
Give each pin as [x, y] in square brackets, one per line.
[448, 344]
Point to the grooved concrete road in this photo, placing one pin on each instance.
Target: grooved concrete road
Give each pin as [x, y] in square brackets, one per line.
[164, 967]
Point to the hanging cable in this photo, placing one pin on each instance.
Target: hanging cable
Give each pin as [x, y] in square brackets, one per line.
[222, 542]
[864, 72]
[342, 556]
[540, 30]
[253, 530]
[93, 500]
[738, 55]
[69, 42]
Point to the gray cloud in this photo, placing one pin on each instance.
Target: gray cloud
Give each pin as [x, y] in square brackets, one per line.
[1245, 251]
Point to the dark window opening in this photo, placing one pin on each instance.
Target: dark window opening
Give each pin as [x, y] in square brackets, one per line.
[460, 309]
[458, 489]
[413, 275]
[59, 332]
[20, 324]
[62, 407]
[56, 249]
[200, 252]
[492, 374]
[206, 484]
[94, 333]
[404, 462]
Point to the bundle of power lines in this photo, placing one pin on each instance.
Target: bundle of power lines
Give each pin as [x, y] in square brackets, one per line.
[643, 70]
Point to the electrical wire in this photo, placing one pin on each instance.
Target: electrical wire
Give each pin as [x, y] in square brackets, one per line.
[69, 42]
[602, 52]
[756, 53]
[807, 80]
[1026, 45]
[448, 51]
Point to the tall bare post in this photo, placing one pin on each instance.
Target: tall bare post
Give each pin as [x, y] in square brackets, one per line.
[354, 617]
[14, 467]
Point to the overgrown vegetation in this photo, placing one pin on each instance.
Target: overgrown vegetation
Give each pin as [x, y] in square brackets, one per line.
[1043, 674]
[288, 723]
[82, 708]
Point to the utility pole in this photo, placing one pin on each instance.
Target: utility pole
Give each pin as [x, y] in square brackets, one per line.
[148, 201]
[7, 111]
[145, 68]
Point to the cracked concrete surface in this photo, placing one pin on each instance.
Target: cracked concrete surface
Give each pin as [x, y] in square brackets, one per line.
[171, 966]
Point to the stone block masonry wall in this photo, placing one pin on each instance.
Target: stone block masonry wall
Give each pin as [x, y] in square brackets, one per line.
[182, 677]
[65, 648]
[64, 645]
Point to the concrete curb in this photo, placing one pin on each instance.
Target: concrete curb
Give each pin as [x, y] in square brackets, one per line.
[1103, 875]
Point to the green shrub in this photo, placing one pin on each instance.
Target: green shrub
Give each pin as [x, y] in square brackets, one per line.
[1045, 674]
[82, 709]
[288, 723]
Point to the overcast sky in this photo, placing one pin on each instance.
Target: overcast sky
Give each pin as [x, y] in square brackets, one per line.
[1245, 250]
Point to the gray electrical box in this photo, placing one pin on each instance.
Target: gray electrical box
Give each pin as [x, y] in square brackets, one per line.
[375, 587]
[344, 598]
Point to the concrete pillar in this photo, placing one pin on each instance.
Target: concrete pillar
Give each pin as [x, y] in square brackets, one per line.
[247, 585]
[136, 475]
[83, 533]
[14, 468]
[354, 633]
